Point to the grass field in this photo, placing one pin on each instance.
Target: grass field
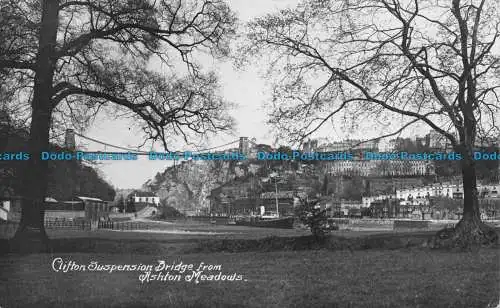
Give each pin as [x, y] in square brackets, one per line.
[402, 277]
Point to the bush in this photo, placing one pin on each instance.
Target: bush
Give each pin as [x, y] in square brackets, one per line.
[311, 215]
[168, 211]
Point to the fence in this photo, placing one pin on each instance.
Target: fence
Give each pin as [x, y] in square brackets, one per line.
[123, 225]
[397, 224]
[8, 228]
[362, 223]
[121, 216]
[68, 215]
[67, 224]
[358, 221]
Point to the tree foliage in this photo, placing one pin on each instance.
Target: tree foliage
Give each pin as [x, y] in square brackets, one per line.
[130, 206]
[121, 204]
[121, 56]
[354, 190]
[168, 211]
[310, 214]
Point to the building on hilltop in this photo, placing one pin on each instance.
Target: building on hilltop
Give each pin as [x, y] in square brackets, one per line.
[349, 145]
[380, 168]
[310, 146]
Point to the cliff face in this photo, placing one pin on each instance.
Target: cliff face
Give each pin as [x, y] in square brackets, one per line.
[187, 185]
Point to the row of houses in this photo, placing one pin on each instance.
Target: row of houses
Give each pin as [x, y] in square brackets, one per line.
[448, 190]
[380, 168]
[391, 208]
[421, 195]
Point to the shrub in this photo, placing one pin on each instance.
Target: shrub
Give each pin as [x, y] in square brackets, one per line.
[311, 215]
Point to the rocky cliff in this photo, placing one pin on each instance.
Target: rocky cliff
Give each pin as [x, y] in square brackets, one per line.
[187, 185]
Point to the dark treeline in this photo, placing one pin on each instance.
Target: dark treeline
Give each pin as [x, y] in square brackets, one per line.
[66, 178]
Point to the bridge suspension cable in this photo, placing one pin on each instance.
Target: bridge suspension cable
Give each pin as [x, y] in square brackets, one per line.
[110, 145]
[143, 152]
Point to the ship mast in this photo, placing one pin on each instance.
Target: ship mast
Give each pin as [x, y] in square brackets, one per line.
[276, 195]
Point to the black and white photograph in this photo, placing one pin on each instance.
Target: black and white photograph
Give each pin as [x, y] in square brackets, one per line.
[264, 153]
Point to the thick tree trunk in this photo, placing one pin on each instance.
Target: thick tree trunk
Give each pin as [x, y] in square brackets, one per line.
[470, 230]
[31, 235]
[471, 203]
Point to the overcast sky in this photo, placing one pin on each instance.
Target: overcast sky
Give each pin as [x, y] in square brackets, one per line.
[243, 88]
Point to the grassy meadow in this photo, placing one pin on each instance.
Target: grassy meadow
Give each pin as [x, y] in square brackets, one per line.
[385, 270]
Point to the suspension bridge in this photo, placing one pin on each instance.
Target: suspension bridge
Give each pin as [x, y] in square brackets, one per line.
[241, 143]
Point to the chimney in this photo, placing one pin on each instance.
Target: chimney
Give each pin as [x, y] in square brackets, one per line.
[69, 140]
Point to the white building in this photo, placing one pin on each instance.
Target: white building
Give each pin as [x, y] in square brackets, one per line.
[421, 195]
[145, 197]
[436, 190]
[349, 145]
[387, 145]
[366, 201]
[489, 191]
[380, 168]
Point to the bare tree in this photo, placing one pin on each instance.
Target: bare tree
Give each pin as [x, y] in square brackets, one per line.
[67, 60]
[417, 62]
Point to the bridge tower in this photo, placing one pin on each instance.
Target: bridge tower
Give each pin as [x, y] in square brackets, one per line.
[244, 146]
[69, 139]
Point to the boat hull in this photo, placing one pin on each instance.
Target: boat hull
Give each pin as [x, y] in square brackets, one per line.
[280, 223]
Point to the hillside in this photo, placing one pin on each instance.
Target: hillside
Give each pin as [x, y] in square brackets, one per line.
[188, 185]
